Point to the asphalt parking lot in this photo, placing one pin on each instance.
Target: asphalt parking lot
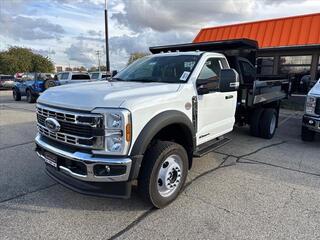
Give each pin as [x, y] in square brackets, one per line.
[250, 188]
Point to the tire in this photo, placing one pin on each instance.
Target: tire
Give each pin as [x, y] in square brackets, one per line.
[163, 173]
[255, 122]
[16, 94]
[306, 134]
[268, 123]
[30, 97]
[49, 83]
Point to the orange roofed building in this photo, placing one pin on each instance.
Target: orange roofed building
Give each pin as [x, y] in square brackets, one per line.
[288, 45]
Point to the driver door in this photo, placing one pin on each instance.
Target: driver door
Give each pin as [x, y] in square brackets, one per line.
[216, 110]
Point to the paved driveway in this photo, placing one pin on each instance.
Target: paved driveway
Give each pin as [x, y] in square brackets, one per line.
[250, 188]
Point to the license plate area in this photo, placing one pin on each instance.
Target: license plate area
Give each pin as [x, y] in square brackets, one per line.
[51, 159]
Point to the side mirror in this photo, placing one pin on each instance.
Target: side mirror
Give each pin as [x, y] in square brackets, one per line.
[229, 80]
[114, 72]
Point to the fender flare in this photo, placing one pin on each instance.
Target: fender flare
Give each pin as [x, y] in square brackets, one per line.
[150, 130]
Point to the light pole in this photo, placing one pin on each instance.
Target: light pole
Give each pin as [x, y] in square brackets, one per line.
[98, 54]
[106, 35]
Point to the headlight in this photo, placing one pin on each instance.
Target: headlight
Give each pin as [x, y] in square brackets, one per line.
[310, 104]
[117, 123]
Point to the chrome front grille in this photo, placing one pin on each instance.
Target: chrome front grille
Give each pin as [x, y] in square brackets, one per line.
[78, 129]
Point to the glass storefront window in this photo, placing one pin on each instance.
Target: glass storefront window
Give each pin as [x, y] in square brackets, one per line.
[291, 70]
[295, 60]
[265, 65]
[298, 69]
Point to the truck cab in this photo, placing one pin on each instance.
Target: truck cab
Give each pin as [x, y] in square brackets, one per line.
[73, 77]
[311, 117]
[150, 121]
[99, 76]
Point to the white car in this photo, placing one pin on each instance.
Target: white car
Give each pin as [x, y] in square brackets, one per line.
[6, 81]
[149, 121]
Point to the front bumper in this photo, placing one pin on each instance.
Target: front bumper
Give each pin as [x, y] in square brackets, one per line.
[313, 123]
[81, 171]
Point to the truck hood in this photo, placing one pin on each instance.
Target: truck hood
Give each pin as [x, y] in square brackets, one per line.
[315, 90]
[87, 96]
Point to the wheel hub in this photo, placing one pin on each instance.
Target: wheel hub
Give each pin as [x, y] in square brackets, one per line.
[169, 176]
[273, 124]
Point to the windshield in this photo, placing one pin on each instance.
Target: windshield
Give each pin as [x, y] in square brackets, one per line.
[169, 69]
[6, 77]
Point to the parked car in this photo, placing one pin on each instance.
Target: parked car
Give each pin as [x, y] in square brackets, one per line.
[6, 81]
[73, 77]
[32, 85]
[99, 76]
[150, 120]
[311, 117]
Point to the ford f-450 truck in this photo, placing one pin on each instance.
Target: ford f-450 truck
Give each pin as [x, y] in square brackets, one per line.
[148, 123]
[311, 117]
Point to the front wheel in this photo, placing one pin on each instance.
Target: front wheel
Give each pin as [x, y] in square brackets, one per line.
[163, 173]
[306, 134]
[16, 95]
[30, 97]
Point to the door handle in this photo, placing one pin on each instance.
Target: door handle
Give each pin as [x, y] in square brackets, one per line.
[229, 97]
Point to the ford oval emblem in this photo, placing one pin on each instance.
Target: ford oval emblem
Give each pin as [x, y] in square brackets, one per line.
[52, 124]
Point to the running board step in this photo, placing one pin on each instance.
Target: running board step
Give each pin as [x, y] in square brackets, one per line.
[205, 148]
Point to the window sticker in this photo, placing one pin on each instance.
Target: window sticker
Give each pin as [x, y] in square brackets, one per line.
[184, 76]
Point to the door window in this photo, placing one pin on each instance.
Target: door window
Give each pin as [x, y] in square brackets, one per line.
[80, 77]
[210, 74]
[248, 72]
[265, 65]
[64, 76]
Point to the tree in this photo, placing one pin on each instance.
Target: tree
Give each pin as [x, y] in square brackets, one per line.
[136, 55]
[82, 69]
[93, 69]
[17, 59]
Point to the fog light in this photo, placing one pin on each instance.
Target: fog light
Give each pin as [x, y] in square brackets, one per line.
[112, 170]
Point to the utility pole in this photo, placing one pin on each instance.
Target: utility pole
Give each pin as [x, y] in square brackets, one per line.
[106, 35]
[98, 54]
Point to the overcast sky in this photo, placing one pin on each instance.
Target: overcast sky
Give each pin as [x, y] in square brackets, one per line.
[71, 31]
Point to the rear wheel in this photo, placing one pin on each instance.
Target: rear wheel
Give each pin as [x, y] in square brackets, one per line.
[255, 122]
[268, 123]
[30, 97]
[163, 173]
[16, 94]
[306, 134]
[49, 83]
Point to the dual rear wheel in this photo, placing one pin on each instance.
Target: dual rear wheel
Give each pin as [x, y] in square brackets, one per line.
[264, 122]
